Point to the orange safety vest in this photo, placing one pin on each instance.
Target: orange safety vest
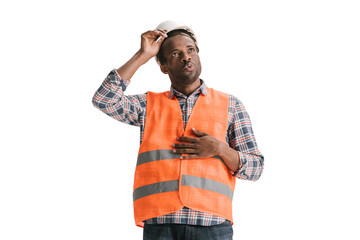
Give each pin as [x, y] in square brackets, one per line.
[163, 182]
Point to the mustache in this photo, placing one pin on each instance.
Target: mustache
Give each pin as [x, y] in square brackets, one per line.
[187, 62]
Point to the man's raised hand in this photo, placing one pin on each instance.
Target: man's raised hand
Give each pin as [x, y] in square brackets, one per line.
[151, 42]
[150, 46]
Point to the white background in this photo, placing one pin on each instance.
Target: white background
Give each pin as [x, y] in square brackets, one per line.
[66, 169]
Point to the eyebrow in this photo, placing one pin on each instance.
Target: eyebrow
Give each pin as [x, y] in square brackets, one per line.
[188, 46]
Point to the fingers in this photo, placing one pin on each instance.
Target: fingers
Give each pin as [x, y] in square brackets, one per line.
[189, 148]
[163, 31]
[156, 32]
[198, 133]
[156, 35]
[151, 42]
[192, 153]
[162, 35]
[184, 145]
[186, 150]
[191, 139]
[195, 147]
[187, 139]
[192, 156]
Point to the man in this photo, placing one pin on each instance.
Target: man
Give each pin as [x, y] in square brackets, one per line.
[194, 141]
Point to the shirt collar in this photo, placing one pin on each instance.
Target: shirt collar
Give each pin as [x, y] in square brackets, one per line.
[202, 89]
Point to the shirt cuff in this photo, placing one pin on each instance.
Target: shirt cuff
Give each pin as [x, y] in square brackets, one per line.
[241, 163]
[114, 81]
[118, 77]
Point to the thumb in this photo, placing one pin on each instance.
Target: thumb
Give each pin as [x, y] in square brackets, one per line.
[198, 133]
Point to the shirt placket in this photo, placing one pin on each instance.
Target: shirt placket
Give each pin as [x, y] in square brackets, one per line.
[186, 105]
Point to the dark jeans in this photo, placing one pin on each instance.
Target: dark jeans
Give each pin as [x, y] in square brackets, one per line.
[222, 231]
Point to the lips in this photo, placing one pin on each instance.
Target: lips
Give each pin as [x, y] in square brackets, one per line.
[189, 66]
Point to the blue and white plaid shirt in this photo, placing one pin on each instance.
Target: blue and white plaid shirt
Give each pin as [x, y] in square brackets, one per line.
[131, 109]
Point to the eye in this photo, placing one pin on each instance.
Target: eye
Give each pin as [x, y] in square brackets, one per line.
[191, 49]
[174, 54]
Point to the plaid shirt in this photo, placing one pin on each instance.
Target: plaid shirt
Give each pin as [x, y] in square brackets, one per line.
[131, 109]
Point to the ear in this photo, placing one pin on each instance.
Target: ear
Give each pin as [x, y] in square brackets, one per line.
[164, 68]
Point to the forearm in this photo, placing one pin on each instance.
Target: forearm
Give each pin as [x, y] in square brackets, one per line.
[244, 166]
[110, 97]
[127, 70]
[230, 156]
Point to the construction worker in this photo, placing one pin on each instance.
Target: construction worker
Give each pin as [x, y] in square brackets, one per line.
[194, 141]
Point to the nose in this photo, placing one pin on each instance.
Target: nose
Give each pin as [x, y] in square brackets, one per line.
[185, 57]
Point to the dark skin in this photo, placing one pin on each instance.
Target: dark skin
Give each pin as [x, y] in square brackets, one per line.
[183, 67]
[182, 63]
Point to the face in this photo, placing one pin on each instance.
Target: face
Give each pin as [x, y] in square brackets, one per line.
[182, 60]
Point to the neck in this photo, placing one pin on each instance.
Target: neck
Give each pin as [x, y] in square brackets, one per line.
[189, 88]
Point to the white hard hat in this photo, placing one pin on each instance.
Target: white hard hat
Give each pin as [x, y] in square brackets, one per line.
[172, 25]
[176, 25]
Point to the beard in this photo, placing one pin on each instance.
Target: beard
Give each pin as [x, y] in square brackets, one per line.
[186, 76]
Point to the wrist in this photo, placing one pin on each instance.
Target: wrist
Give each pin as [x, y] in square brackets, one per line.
[221, 148]
[127, 70]
[143, 56]
[229, 155]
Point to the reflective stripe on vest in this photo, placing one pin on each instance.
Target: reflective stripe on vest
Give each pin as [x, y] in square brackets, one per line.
[156, 155]
[186, 180]
[162, 154]
[159, 187]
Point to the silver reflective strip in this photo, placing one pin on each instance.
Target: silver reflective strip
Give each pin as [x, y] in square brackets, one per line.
[160, 187]
[207, 184]
[156, 155]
